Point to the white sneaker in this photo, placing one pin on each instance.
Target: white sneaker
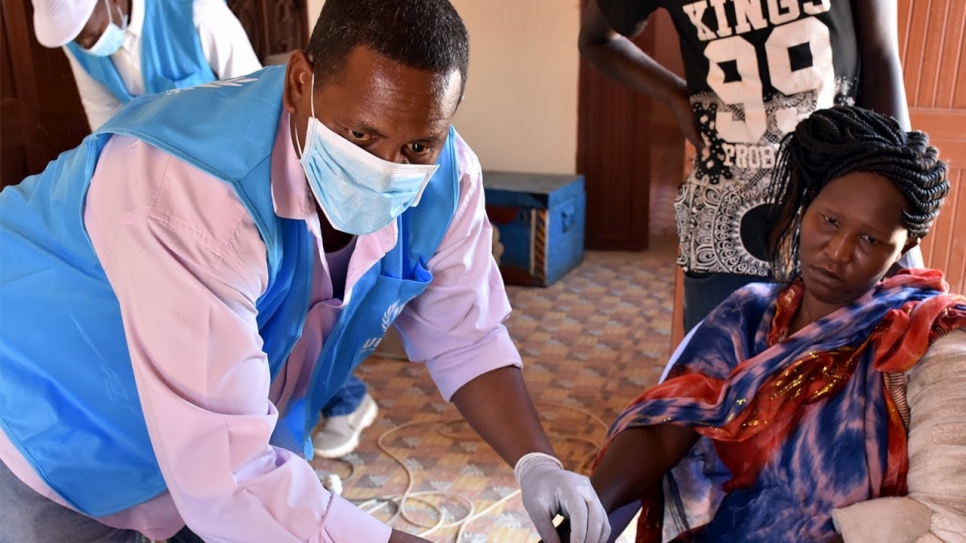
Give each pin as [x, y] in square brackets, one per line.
[339, 436]
[332, 483]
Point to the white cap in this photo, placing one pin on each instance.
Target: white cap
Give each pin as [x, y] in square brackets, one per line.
[58, 22]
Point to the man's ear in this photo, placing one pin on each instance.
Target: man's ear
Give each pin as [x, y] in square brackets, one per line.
[298, 79]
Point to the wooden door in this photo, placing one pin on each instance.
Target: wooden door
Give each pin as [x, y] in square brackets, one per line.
[20, 146]
[933, 48]
[612, 153]
[274, 27]
[63, 123]
[618, 133]
[42, 114]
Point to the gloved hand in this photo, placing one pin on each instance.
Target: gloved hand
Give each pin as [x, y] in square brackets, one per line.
[548, 489]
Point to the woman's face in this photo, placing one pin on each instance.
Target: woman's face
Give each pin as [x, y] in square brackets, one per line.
[851, 234]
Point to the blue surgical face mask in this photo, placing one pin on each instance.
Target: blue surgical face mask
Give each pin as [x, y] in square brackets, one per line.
[112, 38]
[358, 192]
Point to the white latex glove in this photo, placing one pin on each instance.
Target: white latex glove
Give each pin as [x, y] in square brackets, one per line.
[547, 489]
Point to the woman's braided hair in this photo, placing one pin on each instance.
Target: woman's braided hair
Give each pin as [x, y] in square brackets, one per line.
[834, 142]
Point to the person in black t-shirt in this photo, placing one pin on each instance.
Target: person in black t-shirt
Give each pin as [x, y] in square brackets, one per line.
[754, 69]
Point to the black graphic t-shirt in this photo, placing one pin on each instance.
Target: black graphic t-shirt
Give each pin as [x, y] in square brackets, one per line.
[754, 69]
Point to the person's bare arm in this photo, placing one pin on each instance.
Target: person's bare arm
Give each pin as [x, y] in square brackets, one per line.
[635, 463]
[880, 83]
[497, 405]
[607, 49]
[637, 459]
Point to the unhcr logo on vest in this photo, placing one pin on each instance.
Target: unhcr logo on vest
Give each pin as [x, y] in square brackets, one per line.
[387, 319]
[234, 82]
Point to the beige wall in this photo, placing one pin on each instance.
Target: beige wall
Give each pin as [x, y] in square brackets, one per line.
[520, 109]
[313, 7]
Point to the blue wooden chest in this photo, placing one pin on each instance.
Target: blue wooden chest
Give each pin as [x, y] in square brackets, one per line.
[539, 220]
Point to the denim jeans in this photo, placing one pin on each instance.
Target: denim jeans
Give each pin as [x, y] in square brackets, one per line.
[28, 517]
[347, 399]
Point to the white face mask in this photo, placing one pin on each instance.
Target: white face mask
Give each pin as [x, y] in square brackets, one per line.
[113, 36]
[358, 191]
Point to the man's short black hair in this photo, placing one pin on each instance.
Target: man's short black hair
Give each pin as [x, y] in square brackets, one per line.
[421, 34]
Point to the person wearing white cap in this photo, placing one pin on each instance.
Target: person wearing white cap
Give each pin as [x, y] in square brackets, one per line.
[120, 49]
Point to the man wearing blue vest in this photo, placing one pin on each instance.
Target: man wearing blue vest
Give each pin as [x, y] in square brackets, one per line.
[185, 290]
[119, 49]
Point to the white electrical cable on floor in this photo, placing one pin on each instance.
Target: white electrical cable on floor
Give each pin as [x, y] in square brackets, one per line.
[400, 501]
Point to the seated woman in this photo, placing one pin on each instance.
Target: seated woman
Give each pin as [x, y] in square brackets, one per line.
[834, 403]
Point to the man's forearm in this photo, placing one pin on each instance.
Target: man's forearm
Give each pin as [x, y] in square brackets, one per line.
[497, 405]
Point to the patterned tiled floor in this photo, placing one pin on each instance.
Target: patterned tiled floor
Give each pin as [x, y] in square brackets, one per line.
[590, 343]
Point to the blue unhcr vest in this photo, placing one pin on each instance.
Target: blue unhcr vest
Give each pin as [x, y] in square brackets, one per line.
[171, 55]
[68, 400]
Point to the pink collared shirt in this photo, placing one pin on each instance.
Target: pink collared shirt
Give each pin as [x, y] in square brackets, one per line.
[187, 264]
